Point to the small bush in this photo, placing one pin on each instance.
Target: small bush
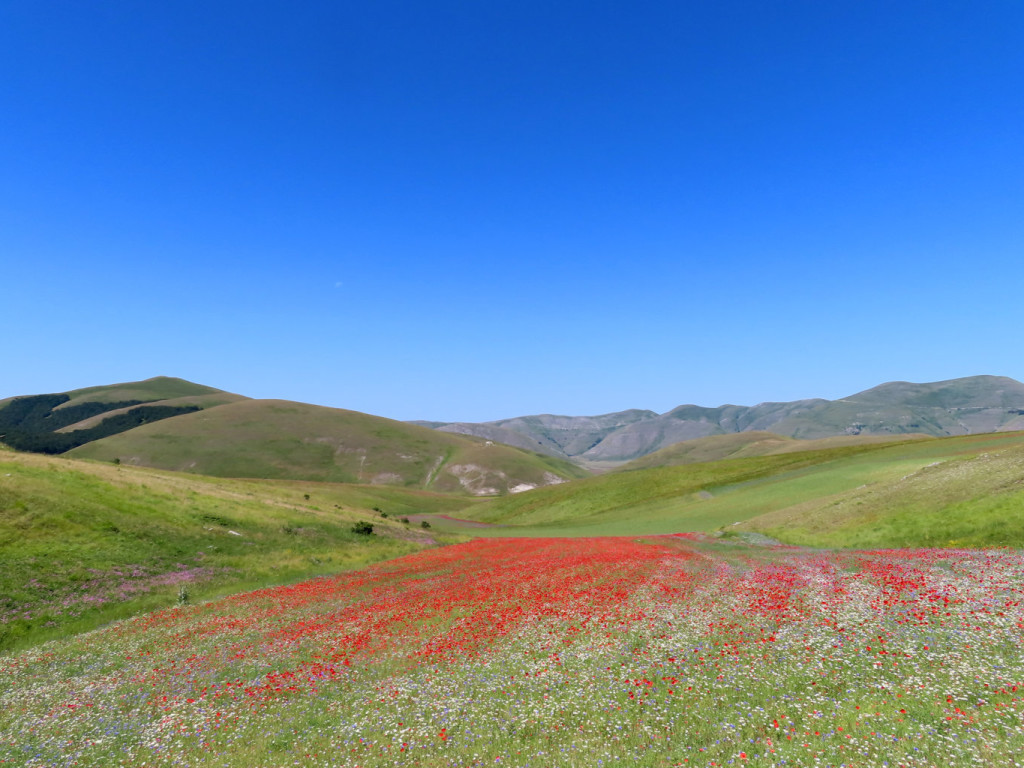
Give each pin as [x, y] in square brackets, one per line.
[363, 528]
[403, 519]
[424, 524]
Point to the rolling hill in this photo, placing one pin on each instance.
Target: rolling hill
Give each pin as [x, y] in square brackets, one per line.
[743, 444]
[964, 406]
[58, 422]
[288, 440]
[176, 424]
[961, 491]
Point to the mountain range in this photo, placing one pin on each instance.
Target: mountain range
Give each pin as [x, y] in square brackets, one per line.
[955, 407]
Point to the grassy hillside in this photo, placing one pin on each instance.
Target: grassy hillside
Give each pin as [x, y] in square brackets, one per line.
[59, 422]
[742, 444]
[969, 501]
[287, 440]
[148, 390]
[709, 496]
[82, 543]
[201, 401]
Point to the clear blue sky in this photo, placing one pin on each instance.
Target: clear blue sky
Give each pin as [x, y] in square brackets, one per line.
[472, 210]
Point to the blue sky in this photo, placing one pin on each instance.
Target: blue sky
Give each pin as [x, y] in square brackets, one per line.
[467, 211]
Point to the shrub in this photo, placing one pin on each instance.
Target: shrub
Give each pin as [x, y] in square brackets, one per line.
[363, 528]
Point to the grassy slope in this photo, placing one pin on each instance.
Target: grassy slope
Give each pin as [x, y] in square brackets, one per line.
[969, 501]
[286, 440]
[72, 534]
[743, 444]
[704, 497]
[203, 401]
[157, 388]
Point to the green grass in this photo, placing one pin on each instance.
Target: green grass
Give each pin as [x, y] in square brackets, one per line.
[82, 543]
[203, 401]
[157, 388]
[967, 501]
[779, 494]
[712, 448]
[746, 444]
[286, 440]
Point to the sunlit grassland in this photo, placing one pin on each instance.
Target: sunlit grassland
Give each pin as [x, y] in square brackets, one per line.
[82, 543]
[286, 440]
[745, 444]
[157, 388]
[780, 494]
[966, 501]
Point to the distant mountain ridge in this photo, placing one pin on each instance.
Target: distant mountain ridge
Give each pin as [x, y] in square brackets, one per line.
[955, 407]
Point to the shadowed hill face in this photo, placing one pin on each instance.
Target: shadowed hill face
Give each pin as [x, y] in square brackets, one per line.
[281, 439]
[56, 423]
[562, 436]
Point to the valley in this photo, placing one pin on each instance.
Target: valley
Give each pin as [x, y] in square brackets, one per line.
[265, 582]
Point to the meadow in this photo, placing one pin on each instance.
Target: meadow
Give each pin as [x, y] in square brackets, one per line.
[576, 628]
[664, 651]
[84, 543]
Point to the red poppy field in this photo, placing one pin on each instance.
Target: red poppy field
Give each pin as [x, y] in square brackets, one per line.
[661, 651]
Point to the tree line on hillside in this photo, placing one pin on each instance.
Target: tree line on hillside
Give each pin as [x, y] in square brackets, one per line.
[30, 423]
[37, 413]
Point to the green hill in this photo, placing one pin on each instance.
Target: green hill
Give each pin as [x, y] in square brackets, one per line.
[743, 444]
[82, 543]
[58, 422]
[975, 500]
[807, 497]
[148, 391]
[287, 440]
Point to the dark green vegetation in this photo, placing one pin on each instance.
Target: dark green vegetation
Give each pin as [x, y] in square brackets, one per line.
[962, 491]
[970, 405]
[58, 422]
[83, 543]
[287, 440]
[33, 432]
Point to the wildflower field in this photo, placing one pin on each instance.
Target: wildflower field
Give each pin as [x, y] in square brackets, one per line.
[660, 651]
